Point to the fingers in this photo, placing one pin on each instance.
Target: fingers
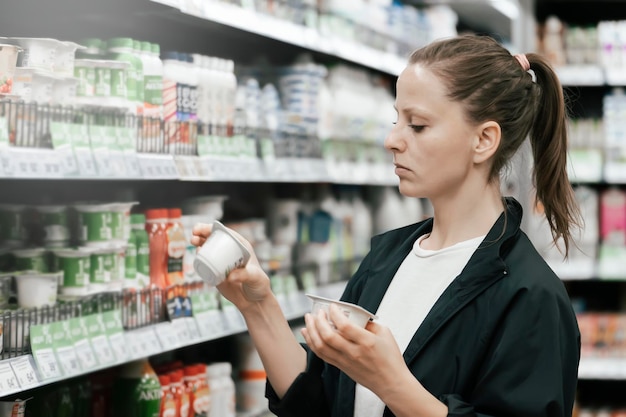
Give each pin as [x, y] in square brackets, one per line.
[326, 338]
[345, 327]
[200, 233]
[318, 334]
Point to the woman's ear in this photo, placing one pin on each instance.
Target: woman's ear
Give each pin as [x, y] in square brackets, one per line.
[487, 141]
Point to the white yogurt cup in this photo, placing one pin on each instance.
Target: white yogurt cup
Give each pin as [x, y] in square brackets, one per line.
[31, 84]
[38, 52]
[356, 314]
[64, 57]
[35, 289]
[221, 253]
[64, 90]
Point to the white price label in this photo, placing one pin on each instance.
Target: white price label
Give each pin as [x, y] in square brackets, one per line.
[102, 350]
[86, 164]
[24, 371]
[192, 328]
[68, 360]
[211, 323]
[8, 163]
[182, 333]
[67, 161]
[117, 164]
[182, 168]
[134, 345]
[47, 363]
[149, 342]
[168, 336]
[103, 162]
[8, 380]
[85, 355]
[191, 167]
[119, 346]
[132, 165]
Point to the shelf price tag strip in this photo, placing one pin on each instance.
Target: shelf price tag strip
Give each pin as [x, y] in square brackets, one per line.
[99, 340]
[43, 352]
[82, 343]
[63, 345]
[8, 380]
[167, 336]
[24, 372]
[112, 322]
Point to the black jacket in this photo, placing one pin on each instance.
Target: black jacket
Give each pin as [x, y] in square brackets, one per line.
[502, 340]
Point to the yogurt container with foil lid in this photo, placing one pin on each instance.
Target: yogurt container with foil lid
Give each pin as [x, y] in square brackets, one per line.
[36, 289]
[119, 267]
[54, 223]
[64, 90]
[219, 255]
[33, 259]
[94, 224]
[103, 264]
[32, 84]
[38, 53]
[64, 57]
[75, 265]
[12, 221]
[355, 313]
[120, 220]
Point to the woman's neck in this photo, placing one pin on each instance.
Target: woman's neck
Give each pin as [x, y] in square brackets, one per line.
[464, 216]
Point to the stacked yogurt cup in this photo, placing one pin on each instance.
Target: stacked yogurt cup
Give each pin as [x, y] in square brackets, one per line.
[45, 70]
[59, 252]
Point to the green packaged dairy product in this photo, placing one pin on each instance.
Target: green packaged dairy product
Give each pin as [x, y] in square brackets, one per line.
[122, 49]
[137, 391]
[142, 242]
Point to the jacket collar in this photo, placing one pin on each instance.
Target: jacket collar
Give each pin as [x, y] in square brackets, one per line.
[389, 250]
[485, 267]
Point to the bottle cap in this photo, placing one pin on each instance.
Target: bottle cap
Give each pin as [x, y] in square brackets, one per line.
[175, 213]
[156, 214]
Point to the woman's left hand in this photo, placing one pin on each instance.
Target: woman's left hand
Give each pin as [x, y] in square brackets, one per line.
[370, 355]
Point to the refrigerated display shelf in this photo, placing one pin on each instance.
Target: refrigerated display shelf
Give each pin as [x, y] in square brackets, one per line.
[50, 365]
[33, 163]
[602, 368]
[281, 30]
[590, 76]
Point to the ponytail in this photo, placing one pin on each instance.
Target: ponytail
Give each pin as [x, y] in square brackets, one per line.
[548, 139]
[494, 85]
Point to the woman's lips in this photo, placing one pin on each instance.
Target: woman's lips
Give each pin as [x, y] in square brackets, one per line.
[401, 168]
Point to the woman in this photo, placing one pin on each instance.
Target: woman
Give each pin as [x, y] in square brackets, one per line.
[472, 320]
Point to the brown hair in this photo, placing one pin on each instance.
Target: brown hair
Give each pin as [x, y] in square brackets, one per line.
[492, 85]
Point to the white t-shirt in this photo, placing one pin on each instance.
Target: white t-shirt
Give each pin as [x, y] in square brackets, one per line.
[421, 279]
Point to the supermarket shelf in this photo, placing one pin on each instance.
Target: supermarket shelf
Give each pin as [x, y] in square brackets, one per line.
[47, 366]
[31, 163]
[602, 368]
[274, 28]
[590, 76]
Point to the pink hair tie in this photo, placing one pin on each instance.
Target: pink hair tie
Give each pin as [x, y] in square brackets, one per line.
[523, 61]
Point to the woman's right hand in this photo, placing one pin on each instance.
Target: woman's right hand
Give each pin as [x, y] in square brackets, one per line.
[246, 286]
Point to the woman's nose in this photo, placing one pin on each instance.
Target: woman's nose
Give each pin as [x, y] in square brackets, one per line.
[393, 140]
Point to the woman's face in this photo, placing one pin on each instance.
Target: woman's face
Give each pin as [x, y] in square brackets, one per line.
[431, 141]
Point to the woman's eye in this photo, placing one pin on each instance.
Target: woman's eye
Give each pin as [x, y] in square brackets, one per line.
[417, 128]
